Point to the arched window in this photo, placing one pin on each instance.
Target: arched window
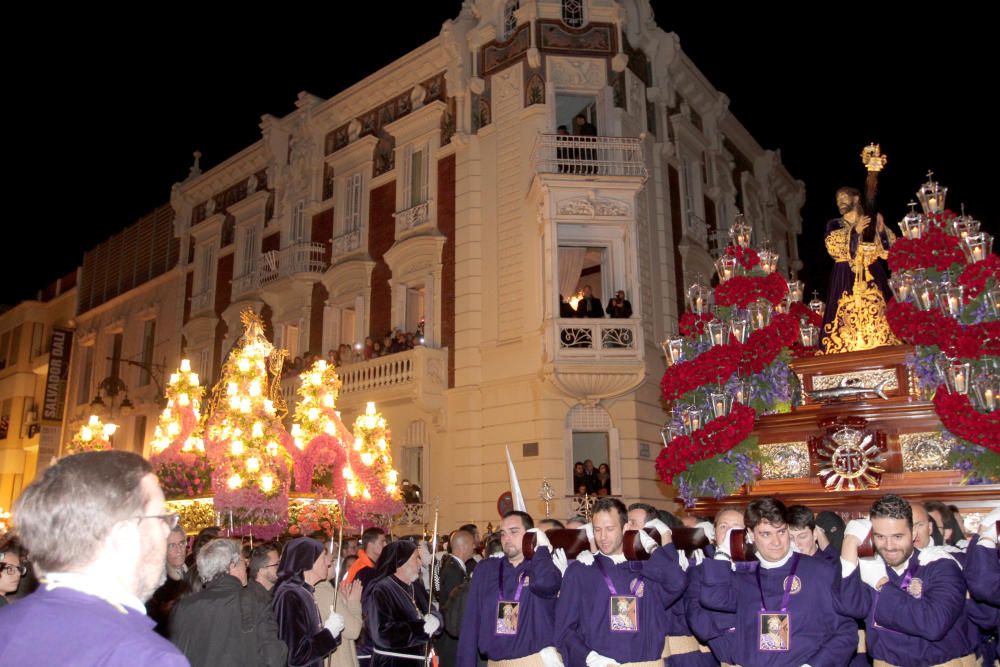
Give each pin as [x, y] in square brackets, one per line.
[572, 13]
[509, 20]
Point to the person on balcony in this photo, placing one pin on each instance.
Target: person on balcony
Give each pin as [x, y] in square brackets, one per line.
[589, 305]
[619, 307]
[562, 153]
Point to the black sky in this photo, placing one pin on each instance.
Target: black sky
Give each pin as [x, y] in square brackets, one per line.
[107, 117]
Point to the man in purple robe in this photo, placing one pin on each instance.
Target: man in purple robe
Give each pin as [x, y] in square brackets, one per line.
[612, 610]
[512, 582]
[913, 600]
[842, 239]
[804, 536]
[784, 614]
[96, 527]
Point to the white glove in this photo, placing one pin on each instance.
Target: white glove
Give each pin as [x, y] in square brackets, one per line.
[585, 557]
[709, 530]
[595, 659]
[589, 529]
[550, 656]
[931, 554]
[699, 556]
[988, 526]
[724, 548]
[683, 560]
[541, 539]
[431, 624]
[660, 527]
[334, 623]
[425, 555]
[560, 561]
[872, 570]
[498, 554]
[859, 528]
[648, 543]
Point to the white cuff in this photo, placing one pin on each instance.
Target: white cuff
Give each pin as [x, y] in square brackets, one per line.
[847, 568]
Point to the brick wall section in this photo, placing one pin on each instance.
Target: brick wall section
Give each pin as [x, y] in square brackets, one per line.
[319, 296]
[322, 232]
[446, 224]
[381, 236]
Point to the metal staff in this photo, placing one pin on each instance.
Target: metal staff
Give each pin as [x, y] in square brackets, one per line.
[340, 548]
[432, 600]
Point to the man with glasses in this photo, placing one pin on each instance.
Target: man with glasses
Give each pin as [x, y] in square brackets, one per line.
[225, 624]
[96, 527]
[176, 585]
[264, 567]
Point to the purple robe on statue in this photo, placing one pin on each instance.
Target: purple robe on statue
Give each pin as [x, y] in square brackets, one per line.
[925, 625]
[583, 616]
[842, 276]
[536, 612]
[63, 626]
[820, 636]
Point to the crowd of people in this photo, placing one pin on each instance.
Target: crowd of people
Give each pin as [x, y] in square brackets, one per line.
[394, 341]
[120, 584]
[590, 306]
[591, 481]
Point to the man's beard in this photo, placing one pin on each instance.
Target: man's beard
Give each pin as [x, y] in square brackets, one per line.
[906, 555]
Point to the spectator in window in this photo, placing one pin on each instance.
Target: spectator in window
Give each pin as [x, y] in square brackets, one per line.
[565, 309]
[387, 343]
[562, 153]
[619, 307]
[589, 305]
[369, 350]
[584, 128]
[579, 477]
[603, 480]
[377, 349]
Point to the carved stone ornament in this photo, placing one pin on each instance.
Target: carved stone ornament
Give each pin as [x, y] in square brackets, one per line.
[353, 130]
[417, 96]
[594, 207]
[576, 72]
[849, 456]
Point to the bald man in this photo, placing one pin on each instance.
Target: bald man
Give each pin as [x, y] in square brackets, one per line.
[451, 574]
[921, 526]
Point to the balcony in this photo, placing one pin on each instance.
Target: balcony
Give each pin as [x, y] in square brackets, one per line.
[419, 375]
[245, 284]
[202, 302]
[414, 219]
[593, 359]
[347, 243]
[588, 156]
[696, 229]
[298, 258]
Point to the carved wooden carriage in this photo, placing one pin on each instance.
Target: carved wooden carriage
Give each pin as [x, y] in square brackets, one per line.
[844, 453]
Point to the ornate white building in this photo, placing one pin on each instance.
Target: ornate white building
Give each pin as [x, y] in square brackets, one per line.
[437, 193]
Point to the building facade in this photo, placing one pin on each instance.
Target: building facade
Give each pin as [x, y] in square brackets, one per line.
[438, 196]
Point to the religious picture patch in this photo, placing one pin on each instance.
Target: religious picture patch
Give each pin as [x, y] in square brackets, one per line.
[775, 629]
[796, 585]
[507, 611]
[624, 613]
[916, 588]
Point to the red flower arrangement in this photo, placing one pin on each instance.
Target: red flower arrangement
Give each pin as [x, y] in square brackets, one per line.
[182, 474]
[719, 361]
[959, 417]
[932, 327]
[741, 291]
[975, 275]
[692, 326]
[716, 437]
[937, 250]
[764, 345]
[323, 455]
[803, 312]
[746, 257]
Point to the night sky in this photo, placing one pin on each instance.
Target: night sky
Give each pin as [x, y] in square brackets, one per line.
[107, 120]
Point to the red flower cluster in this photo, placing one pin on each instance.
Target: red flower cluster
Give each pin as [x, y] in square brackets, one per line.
[721, 361]
[746, 257]
[717, 362]
[716, 437]
[322, 451]
[692, 325]
[959, 417]
[741, 291]
[932, 327]
[937, 250]
[801, 311]
[764, 345]
[975, 275]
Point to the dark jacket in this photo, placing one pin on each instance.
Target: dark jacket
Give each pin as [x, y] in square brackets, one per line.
[226, 624]
[589, 306]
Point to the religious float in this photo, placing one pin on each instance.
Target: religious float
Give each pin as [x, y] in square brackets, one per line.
[896, 393]
[236, 465]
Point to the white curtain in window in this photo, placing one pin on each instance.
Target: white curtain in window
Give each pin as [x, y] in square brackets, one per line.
[570, 268]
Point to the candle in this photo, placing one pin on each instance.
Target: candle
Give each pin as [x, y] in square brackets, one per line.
[960, 382]
[977, 253]
[990, 400]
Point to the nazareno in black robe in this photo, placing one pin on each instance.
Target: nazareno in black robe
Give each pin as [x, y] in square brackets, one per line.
[299, 623]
